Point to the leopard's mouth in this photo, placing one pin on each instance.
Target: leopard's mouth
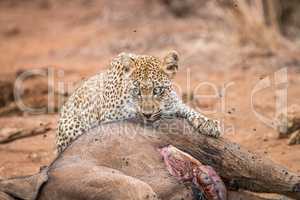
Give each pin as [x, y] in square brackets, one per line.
[150, 118]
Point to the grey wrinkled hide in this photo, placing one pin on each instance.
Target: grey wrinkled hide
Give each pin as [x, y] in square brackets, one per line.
[117, 161]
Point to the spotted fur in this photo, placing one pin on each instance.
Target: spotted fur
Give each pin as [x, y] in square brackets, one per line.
[134, 86]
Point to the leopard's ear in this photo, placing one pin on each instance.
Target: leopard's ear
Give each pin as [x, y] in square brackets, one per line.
[127, 61]
[170, 63]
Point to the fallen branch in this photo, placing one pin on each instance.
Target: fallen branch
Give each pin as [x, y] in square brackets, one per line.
[10, 134]
[40, 102]
[12, 107]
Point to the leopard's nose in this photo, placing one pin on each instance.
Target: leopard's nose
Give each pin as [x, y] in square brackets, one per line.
[147, 115]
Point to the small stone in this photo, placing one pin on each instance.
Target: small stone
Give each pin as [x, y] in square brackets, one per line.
[34, 157]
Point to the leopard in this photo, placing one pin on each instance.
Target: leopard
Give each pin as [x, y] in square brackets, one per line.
[133, 87]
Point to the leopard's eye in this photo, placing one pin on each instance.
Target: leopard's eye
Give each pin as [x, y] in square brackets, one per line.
[136, 91]
[158, 90]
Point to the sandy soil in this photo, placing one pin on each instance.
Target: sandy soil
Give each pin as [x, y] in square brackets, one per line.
[81, 37]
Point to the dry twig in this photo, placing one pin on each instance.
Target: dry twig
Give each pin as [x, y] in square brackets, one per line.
[11, 134]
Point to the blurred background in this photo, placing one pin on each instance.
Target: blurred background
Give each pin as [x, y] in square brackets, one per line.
[226, 49]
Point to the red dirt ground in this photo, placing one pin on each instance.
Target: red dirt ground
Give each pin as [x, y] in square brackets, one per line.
[81, 37]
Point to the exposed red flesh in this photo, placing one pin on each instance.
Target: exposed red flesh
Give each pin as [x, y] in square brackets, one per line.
[186, 168]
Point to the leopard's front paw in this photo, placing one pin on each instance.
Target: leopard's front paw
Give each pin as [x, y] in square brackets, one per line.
[208, 127]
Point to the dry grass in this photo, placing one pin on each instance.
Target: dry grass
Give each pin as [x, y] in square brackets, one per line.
[257, 21]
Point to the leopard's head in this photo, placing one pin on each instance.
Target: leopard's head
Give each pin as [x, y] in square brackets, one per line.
[149, 88]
